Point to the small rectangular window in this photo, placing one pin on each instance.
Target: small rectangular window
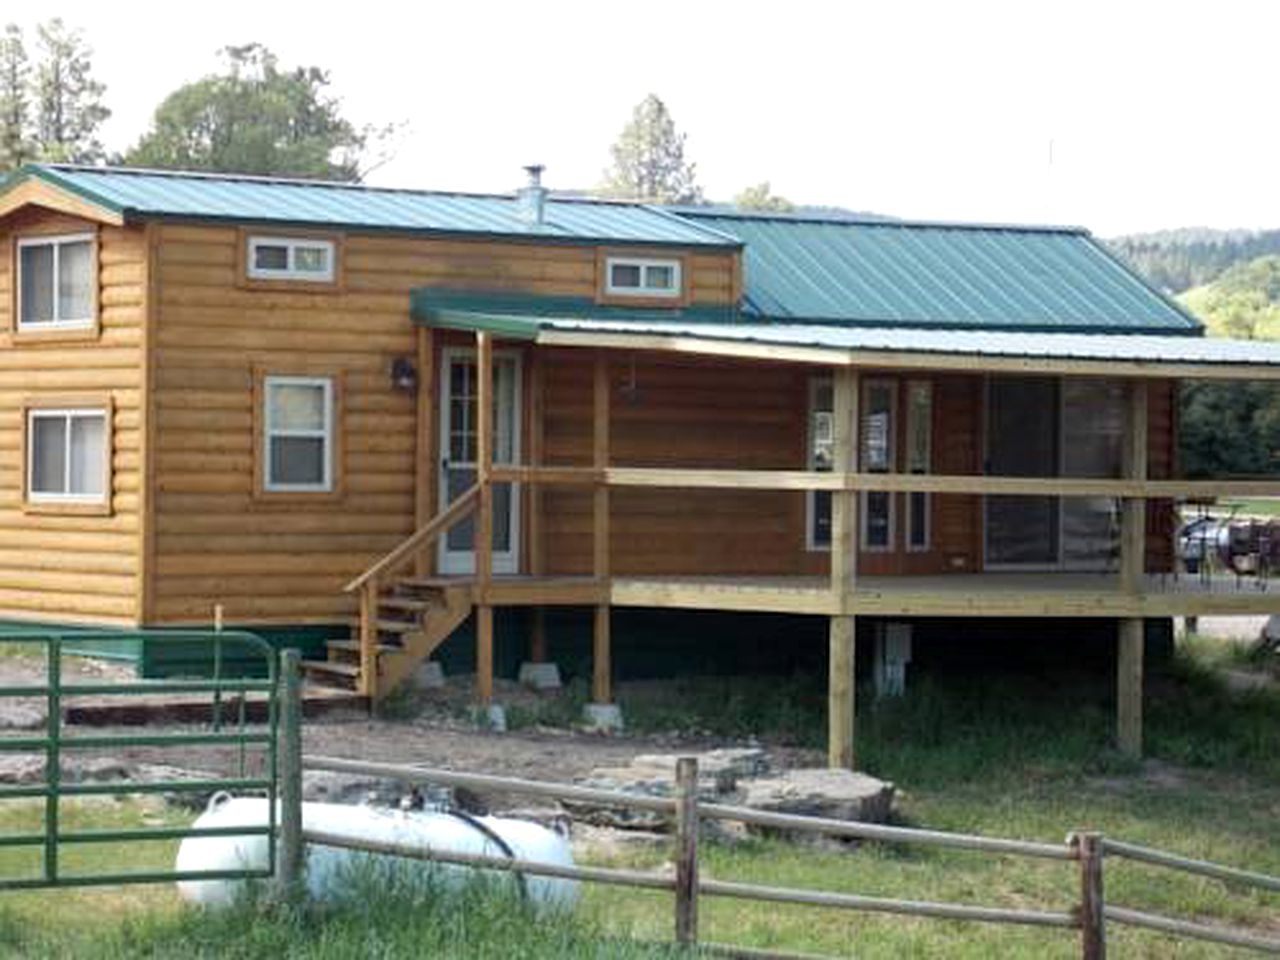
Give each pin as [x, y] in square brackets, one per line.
[298, 434]
[290, 258]
[67, 455]
[56, 280]
[632, 277]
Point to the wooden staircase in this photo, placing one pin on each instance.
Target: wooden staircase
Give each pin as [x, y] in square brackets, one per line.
[413, 617]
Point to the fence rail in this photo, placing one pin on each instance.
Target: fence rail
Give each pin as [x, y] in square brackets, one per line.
[1088, 916]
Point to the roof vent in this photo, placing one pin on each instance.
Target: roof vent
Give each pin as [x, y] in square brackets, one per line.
[532, 197]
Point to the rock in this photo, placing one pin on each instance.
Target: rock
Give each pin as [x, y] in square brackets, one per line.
[429, 675]
[540, 676]
[21, 716]
[653, 775]
[602, 717]
[726, 766]
[327, 787]
[834, 794]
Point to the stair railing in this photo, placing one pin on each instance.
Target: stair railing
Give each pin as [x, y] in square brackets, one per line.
[369, 584]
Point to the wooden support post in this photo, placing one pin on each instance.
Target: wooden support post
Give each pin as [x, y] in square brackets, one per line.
[602, 679]
[1092, 908]
[483, 544]
[424, 490]
[369, 640]
[840, 693]
[686, 854]
[538, 637]
[1133, 519]
[289, 862]
[533, 526]
[484, 654]
[844, 504]
[1129, 653]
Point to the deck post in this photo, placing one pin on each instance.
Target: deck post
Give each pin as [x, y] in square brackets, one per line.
[533, 527]
[1129, 654]
[840, 693]
[844, 503]
[601, 685]
[483, 544]
[424, 488]
[1133, 518]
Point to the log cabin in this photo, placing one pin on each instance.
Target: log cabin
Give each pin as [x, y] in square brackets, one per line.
[261, 396]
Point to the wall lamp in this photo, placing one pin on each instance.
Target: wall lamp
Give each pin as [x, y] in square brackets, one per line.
[404, 375]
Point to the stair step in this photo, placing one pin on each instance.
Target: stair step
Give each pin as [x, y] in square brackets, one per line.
[433, 583]
[348, 670]
[353, 646]
[406, 603]
[399, 626]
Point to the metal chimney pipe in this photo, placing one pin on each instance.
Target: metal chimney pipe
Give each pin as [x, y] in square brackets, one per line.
[532, 197]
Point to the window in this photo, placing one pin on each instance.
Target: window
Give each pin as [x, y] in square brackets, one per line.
[919, 454]
[879, 405]
[67, 456]
[290, 258]
[629, 277]
[821, 457]
[56, 282]
[297, 434]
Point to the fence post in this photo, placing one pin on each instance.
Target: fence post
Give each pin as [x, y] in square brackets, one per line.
[1092, 910]
[290, 857]
[687, 851]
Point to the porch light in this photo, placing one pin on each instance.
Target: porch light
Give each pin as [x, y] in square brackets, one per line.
[404, 375]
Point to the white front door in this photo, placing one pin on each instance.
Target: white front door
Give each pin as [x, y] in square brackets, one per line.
[458, 436]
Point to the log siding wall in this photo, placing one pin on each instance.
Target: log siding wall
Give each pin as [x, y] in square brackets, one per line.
[285, 559]
[62, 566]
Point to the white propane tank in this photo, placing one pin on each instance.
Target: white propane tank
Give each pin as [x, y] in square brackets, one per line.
[326, 865]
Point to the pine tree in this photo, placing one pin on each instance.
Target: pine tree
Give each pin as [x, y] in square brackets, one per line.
[648, 159]
[15, 101]
[69, 107]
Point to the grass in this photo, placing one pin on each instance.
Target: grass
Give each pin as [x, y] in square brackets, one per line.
[1254, 507]
[982, 754]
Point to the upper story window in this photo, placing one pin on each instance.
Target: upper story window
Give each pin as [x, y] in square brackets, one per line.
[298, 434]
[290, 258]
[636, 277]
[67, 458]
[56, 280]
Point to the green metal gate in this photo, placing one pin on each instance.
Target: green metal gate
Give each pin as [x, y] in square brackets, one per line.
[225, 727]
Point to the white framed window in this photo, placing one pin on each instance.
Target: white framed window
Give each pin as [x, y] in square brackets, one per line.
[919, 456]
[639, 277]
[290, 258]
[297, 434]
[877, 455]
[67, 455]
[821, 457]
[56, 282]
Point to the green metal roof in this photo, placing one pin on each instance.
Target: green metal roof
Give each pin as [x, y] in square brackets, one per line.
[436, 306]
[940, 275]
[144, 194]
[855, 339]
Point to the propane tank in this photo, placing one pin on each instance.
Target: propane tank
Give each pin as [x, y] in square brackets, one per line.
[328, 867]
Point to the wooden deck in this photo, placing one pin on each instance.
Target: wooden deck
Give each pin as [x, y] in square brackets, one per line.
[952, 595]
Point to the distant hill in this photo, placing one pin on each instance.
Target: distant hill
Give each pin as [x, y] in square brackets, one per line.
[1177, 260]
[1243, 302]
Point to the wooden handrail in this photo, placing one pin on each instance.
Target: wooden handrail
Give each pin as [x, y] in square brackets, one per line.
[457, 510]
[698, 478]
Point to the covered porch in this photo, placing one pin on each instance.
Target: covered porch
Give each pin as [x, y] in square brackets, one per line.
[571, 484]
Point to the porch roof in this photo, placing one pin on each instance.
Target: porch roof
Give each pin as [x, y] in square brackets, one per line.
[900, 347]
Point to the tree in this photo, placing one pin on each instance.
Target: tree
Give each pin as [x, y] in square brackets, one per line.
[69, 107]
[16, 147]
[761, 197]
[256, 118]
[648, 159]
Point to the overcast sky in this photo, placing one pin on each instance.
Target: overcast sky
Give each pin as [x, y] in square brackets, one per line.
[1118, 115]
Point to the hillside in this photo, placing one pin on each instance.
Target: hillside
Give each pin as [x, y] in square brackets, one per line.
[1178, 260]
[1243, 302]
